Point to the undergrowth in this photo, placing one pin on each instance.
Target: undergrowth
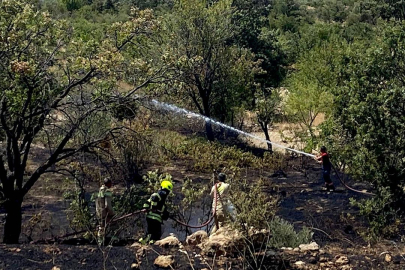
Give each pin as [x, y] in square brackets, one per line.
[206, 156]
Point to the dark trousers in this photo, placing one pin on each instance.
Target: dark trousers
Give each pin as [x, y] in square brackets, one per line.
[154, 229]
[327, 179]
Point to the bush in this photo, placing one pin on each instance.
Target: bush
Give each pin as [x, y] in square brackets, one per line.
[254, 208]
[382, 215]
[284, 235]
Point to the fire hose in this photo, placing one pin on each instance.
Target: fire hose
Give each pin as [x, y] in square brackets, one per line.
[86, 230]
[135, 213]
[350, 188]
[205, 223]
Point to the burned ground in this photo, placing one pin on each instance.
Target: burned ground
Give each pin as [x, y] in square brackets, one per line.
[335, 224]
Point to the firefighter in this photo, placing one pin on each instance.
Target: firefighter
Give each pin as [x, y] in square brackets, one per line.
[156, 212]
[324, 159]
[104, 209]
[224, 209]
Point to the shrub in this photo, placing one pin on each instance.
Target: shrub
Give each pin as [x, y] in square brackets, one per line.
[382, 215]
[254, 208]
[284, 235]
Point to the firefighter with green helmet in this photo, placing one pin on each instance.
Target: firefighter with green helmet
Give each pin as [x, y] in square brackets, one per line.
[156, 212]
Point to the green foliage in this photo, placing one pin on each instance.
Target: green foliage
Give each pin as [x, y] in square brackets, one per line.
[207, 156]
[254, 208]
[209, 73]
[129, 201]
[382, 216]
[368, 121]
[80, 215]
[284, 234]
[267, 109]
[72, 5]
[309, 94]
[153, 180]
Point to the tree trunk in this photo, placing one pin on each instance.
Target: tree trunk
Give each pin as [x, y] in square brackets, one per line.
[12, 228]
[208, 130]
[266, 134]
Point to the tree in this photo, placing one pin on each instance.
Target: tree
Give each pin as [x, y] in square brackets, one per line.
[309, 88]
[267, 105]
[252, 31]
[57, 89]
[203, 61]
[368, 120]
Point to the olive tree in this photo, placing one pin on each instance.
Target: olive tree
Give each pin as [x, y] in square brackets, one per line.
[54, 89]
[209, 73]
[267, 108]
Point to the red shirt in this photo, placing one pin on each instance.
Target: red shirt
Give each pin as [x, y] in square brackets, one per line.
[325, 160]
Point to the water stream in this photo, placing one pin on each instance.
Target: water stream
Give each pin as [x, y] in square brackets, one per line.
[175, 109]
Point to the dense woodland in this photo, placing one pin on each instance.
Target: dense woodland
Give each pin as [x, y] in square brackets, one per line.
[284, 60]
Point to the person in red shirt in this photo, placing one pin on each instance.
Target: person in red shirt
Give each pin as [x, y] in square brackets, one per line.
[324, 159]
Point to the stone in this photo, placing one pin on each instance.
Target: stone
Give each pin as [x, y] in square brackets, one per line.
[135, 266]
[136, 245]
[164, 261]
[55, 268]
[296, 249]
[170, 241]
[388, 258]
[299, 265]
[313, 246]
[323, 259]
[197, 238]
[341, 260]
[223, 242]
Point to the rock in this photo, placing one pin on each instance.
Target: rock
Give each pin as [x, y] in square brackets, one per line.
[164, 261]
[55, 268]
[224, 241]
[341, 260]
[388, 258]
[196, 238]
[309, 247]
[323, 259]
[299, 265]
[296, 249]
[170, 241]
[136, 245]
[135, 266]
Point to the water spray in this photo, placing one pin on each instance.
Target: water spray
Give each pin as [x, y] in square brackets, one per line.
[173, 108]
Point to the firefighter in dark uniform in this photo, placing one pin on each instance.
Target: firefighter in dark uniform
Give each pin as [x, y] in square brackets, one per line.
[156, 212]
